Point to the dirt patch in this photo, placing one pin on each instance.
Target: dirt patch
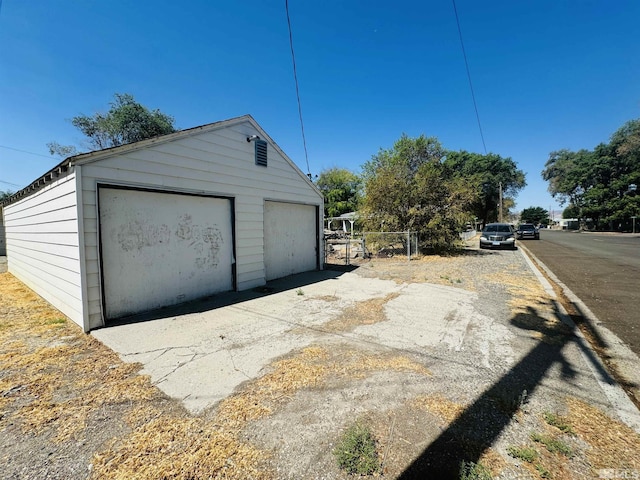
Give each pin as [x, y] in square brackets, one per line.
[70, 408]
[439, 270]
[367, 312]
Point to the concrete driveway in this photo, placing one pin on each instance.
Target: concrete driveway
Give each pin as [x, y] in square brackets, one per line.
[200, 353]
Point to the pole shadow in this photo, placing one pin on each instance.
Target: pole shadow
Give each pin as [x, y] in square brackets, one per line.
[481, 423]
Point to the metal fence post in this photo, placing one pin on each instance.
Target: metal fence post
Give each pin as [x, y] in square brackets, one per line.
[347, 249]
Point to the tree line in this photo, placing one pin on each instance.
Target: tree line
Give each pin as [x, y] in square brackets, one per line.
[599, 185]
[417, 185]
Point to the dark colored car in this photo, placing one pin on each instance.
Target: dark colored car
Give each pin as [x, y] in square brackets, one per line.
[498, 235]
[528, 230]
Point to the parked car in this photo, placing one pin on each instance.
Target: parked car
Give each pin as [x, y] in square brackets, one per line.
[496, 235]
[528, 230]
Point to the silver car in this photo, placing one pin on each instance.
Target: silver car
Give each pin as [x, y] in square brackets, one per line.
[528, 230]
[497, 235]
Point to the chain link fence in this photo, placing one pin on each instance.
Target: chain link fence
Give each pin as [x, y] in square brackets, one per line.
[469, 234]
[346, 250]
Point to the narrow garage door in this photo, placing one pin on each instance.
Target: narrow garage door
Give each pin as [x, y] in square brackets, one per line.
[290, 239]
[160, 249]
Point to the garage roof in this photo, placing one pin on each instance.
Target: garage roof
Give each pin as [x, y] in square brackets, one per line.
[68, 163]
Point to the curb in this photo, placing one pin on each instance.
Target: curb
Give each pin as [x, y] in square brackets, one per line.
[627, 361]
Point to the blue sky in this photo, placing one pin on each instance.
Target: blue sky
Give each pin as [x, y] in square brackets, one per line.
[547, 74]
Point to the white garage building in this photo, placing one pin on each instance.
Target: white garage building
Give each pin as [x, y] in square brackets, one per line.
[129, 229]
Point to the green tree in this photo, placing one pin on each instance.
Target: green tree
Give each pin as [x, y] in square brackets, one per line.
[566, 172]
[408, 187]
[341, 189]
[62, 151]
[486, 173]
[624, 198]
[598, 184]
[535, 215]
[5, 195]
[570, 212]
[127, 121]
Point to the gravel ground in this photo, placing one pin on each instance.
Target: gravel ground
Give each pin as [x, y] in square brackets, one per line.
[473, 392]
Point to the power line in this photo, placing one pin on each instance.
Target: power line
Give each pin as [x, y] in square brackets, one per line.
[295, 77]
[9, 183]
[24, 151]
[466, 64]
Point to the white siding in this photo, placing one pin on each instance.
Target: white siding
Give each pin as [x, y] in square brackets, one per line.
[218, 162]
[42, 245]
[3, 243]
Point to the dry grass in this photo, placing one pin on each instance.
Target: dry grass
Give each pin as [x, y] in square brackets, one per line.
[327, 298]
[531, 306]
[366, 312]
[449, 412]
[55, 377]
[308, 369]
[180, 448]
[58, 374]
[185, 448]
[436, 269]
[440, 406]
[613, 444]
[592, 441]
[526, 290]
[493, 461]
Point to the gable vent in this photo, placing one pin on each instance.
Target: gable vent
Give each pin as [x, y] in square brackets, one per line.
[261, 153]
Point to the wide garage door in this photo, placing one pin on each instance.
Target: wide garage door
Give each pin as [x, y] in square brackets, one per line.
[290, 239]
[160, 249]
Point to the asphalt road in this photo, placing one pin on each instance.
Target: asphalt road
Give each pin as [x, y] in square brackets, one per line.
[603, 270]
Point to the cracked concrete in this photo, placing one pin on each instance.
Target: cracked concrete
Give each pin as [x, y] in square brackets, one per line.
[200, 353]
[201, 357]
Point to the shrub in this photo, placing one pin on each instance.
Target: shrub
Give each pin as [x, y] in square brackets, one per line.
[526, 454]
[474, 471]
[552, 444]
[356, 451]
[558, 422]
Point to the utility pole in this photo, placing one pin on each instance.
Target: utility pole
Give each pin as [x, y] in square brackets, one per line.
[500, 204]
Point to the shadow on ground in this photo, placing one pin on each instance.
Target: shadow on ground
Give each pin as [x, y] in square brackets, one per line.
[480, 424]
[231, 298]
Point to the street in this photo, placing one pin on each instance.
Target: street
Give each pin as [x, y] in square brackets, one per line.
[603, 270]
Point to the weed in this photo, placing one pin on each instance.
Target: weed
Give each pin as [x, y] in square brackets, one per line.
[56, 321]
[356, 451]
[521, 401]
[509, 404]
[559, 422]
[544, 473]
[552, 444]
[526, 454]
[449, 279]
[300, 291]
[474, 471]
